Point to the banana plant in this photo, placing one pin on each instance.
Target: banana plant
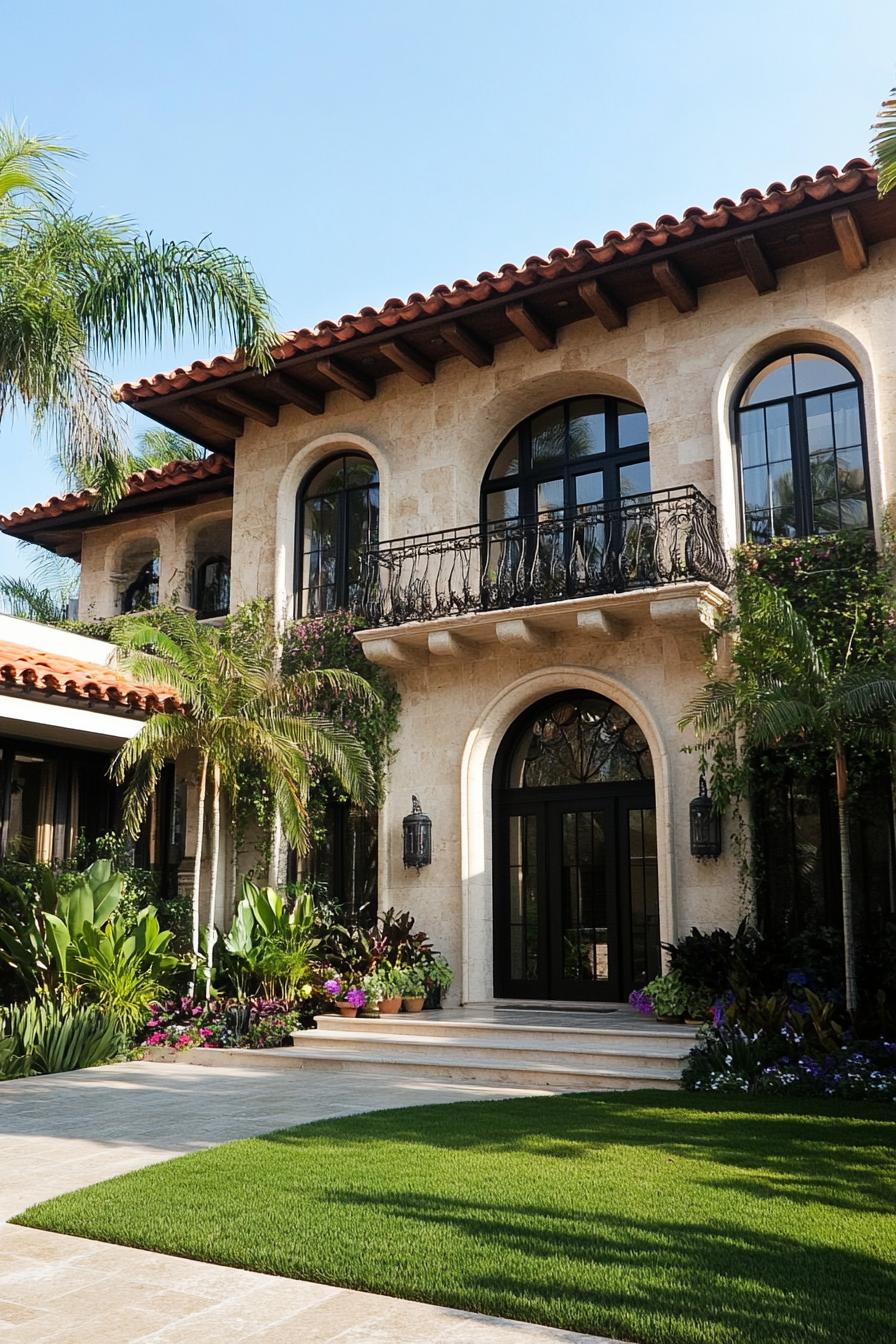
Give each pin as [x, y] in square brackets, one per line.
[39, 931]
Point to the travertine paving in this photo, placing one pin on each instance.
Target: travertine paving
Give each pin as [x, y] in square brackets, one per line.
[63, 1132]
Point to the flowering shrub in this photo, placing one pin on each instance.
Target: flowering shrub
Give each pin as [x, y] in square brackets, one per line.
[255, 1024]
[784, 1062]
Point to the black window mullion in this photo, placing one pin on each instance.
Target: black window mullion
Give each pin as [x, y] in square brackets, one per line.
[802, 474]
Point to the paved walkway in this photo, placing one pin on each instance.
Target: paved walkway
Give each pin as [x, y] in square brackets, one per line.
[63, 1132]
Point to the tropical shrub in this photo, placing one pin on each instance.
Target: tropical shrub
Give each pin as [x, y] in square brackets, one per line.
[41, 925]
[45, 1037]
[270, 942]
[124, 970]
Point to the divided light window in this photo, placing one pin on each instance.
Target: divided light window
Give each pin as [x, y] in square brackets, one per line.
[802, 447]
[573, 454]
[336, 519]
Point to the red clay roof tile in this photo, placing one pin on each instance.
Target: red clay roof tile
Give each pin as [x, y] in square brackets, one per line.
[141, 483]
[828, 183]
[27, 669]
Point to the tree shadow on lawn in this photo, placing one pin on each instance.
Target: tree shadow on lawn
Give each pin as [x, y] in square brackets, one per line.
[825, 1153]
[692, 1281]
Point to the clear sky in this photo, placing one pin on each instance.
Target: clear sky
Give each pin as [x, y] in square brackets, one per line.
[360, 150]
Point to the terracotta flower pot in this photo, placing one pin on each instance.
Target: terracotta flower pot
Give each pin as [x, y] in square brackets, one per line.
[390, 1005]
[413, 1004]
[347, 1010]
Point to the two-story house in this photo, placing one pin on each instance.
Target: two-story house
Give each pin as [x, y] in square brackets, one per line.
[528, 485]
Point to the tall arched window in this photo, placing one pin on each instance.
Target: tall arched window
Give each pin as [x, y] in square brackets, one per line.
[802, 447]
[574, 453]
[143, 593]
[336, 518]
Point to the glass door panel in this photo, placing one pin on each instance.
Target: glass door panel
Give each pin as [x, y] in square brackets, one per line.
[584, 956]
[525, 924]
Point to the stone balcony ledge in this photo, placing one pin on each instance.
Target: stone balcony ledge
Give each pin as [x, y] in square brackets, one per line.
[687, 608]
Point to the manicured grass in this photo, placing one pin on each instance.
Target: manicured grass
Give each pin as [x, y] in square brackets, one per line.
[652, 1216]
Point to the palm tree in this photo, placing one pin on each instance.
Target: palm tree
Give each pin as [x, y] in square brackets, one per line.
[786, 685]
[75, 289]
[883, 146]
[238, 713]
[45, 592]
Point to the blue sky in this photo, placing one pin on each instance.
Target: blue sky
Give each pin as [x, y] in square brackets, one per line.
[363, 150]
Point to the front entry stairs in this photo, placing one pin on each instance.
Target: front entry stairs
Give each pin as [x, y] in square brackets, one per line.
[564, 1047]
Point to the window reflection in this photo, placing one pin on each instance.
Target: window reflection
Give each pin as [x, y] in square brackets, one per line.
[802, 449]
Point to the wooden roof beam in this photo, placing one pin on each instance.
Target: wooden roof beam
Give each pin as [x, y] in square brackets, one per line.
[362, 388]
[849, 239]
[212, 420]
[612, 314]
[240, 402]
[756, 264]
[675, 285]
[297, 394]
[536, 331]
[416, 366]
[461, 339]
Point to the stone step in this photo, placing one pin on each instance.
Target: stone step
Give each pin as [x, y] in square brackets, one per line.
[444, 1064]
[492, 1049]
[433, 1025]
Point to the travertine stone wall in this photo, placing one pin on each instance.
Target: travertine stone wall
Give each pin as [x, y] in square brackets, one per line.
[432, 445]
[112, 554]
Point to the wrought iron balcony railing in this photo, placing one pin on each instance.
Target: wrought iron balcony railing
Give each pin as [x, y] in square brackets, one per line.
[669, 536]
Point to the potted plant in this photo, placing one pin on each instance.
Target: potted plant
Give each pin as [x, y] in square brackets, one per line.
[412, 980]
[389, 989]
[347, 998]
[670, 995]
[382, 994]
[439, 976]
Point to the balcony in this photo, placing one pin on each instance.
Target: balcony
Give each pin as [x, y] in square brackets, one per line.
[598, 567]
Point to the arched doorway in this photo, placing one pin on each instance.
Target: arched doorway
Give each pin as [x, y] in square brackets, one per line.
[576, 907]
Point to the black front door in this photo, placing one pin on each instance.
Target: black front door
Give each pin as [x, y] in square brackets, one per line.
[575, 894]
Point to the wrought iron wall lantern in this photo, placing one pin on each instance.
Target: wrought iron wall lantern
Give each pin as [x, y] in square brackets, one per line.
[706, 825]
[417, 831]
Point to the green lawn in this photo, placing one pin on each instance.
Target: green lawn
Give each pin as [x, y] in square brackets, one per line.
[652, 1216]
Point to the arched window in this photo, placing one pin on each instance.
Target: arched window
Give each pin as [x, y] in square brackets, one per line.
[336, 518]
[574, 453]
[212, 587]
[143, 593]
[802, 448]
[579, 741]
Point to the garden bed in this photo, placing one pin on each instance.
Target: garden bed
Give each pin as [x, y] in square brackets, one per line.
[656, 1217]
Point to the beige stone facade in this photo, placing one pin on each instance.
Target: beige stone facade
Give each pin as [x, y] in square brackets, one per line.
[431, 445]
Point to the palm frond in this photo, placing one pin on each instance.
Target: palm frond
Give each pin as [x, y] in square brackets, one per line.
[141, 292]
[31, 167]
[883, 145]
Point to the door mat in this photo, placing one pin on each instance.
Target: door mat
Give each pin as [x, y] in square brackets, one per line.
[551, 1008]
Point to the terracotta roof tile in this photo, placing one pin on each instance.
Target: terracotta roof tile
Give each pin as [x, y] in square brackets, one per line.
[828, 184]
[141, 483]
[27, 669]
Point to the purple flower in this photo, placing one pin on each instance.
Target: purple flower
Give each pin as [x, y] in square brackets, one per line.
[356, 998]
[797, 978]
[641, 1002]
[333, 987]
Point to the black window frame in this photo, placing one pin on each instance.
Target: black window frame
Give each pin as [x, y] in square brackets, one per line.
[201, 613]
[528, 477]
[804, 521]
[341, 584]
